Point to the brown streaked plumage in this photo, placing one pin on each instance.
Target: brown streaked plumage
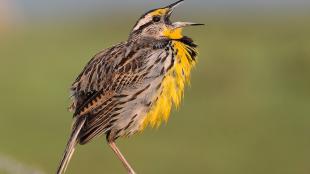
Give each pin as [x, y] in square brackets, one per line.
[133, 84]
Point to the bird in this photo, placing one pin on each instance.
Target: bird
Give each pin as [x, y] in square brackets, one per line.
[132, 85]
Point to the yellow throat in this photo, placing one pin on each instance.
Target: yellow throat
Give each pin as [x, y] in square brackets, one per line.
[173, 33]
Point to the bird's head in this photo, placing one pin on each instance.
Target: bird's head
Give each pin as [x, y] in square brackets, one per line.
[157, 24]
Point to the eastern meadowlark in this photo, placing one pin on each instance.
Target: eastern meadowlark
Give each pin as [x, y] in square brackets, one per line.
[133, 84]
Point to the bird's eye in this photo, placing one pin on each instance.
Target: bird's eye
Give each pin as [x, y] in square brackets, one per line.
[156, 18]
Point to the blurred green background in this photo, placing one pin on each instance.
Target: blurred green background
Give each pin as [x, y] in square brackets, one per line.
[247, 110]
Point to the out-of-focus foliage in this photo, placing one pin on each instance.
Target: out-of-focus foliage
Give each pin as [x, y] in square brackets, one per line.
[247, 110]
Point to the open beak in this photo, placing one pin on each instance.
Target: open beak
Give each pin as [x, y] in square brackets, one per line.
[170, 9]
[172, 6]
[184, 24]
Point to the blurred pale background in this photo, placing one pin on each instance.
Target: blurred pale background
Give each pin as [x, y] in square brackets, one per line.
[247, 110]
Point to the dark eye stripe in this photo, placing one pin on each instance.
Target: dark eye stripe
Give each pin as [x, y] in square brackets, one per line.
[154, 19]
[143, 26]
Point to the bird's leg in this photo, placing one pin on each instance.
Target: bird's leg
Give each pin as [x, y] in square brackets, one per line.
[121, 157]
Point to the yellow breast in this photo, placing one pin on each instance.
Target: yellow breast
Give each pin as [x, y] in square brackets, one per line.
[172, 86]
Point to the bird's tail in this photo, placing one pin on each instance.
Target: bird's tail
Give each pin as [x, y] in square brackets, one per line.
[71, 145]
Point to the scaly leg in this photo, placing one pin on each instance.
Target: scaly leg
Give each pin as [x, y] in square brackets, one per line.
[121, 157]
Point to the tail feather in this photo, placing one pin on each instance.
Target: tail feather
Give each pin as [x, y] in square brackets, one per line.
[71, 145]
